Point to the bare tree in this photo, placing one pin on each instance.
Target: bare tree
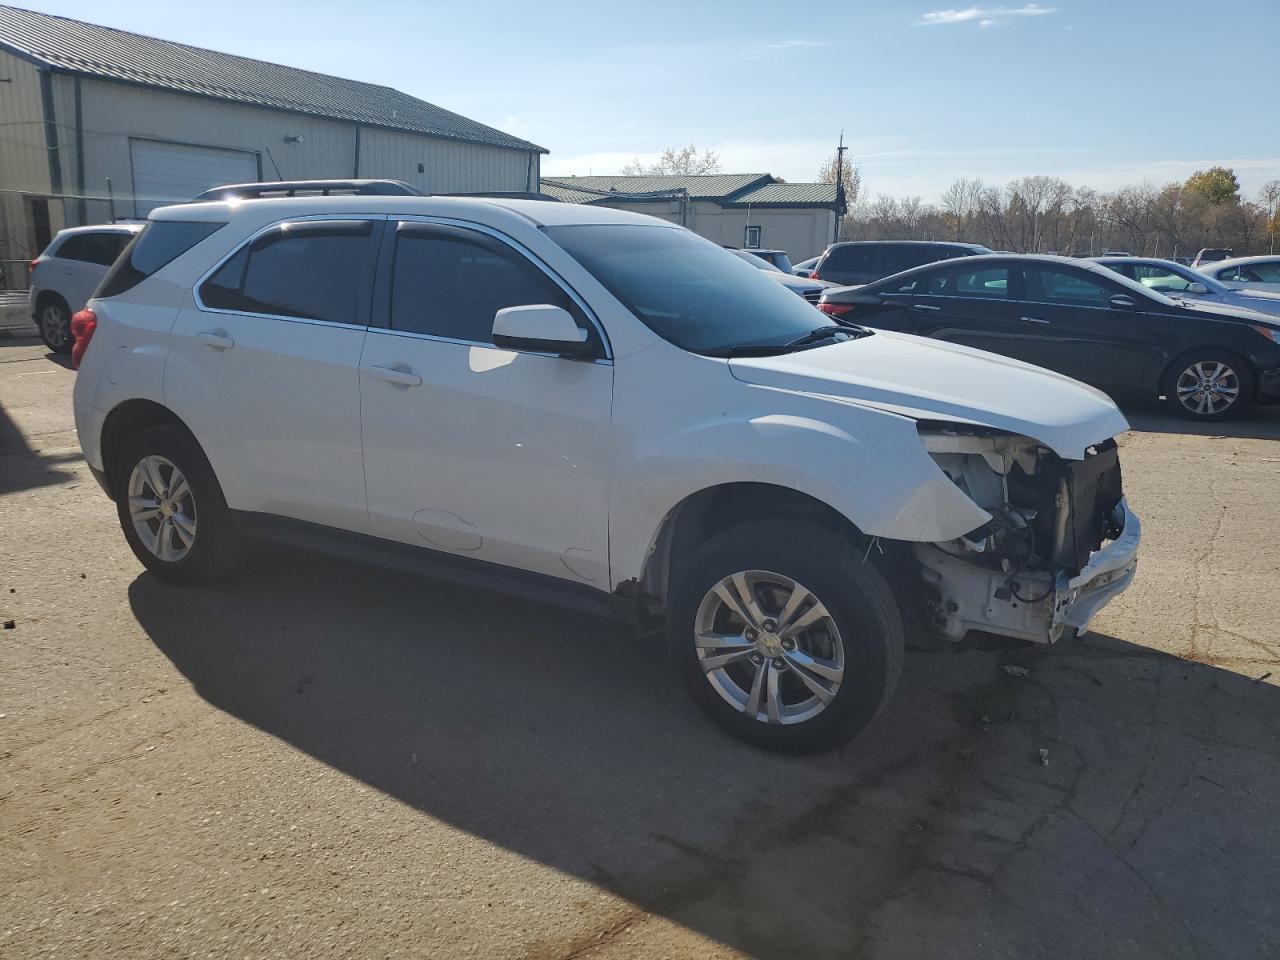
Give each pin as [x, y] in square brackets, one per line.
[682, 161]
[960, 204]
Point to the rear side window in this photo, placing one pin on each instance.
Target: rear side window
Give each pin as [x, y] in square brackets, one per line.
[159, 243]
[449, 284]
[986, 283]
[314, 270]
[99, 248]
[854, 257]
[899, 257]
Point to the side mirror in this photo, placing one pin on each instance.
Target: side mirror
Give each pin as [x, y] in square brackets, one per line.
[1122, 301]
[541, 328]
[1197, 287]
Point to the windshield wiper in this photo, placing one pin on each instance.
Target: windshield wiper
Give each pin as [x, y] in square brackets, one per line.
[817, 335]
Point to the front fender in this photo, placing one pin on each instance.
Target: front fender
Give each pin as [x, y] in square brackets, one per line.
[872, 469]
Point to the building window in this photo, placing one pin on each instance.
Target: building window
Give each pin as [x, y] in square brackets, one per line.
[753, 238]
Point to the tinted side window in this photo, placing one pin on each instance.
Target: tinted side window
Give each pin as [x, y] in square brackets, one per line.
[450, 286]
[986, 283]
[100, 248]
[311, 270]
[899, 257]
[159, 243]
[1067, 287]
[854, 257]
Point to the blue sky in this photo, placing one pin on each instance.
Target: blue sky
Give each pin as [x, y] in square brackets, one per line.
[1101, 92]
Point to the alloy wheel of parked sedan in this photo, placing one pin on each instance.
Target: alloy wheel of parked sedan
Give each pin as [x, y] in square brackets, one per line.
[1208, 388]
[769, 647]
[162, 508]
[55, 327]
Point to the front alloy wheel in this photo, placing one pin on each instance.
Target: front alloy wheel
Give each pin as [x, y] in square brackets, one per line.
[784, 634]
[769, 647]
[1208, 388]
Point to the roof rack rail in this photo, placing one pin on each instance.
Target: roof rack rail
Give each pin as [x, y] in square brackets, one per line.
[291, 188]
[502, 195]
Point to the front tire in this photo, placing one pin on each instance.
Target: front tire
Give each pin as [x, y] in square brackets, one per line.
[1208, 385]
[784, 636]
[171, 507]
[53, 318]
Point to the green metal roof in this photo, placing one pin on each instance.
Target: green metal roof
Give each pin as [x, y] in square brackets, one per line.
[711, 186]
[72, 46]
[789, 195]
[727, 189]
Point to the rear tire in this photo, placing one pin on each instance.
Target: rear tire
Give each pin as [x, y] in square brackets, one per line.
[53, 319]
[1208, 385]
[171, 507]
[794, 677]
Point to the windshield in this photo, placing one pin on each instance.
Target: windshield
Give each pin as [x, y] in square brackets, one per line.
[686, 289]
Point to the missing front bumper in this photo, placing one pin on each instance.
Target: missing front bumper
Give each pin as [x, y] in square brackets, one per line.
[1038, 607]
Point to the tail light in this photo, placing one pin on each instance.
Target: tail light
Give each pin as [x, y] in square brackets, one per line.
[31, 267]
[82, 326]
[835, 309]
[814, 275]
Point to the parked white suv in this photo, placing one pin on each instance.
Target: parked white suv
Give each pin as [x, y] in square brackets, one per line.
[65, 275]
[598, 408]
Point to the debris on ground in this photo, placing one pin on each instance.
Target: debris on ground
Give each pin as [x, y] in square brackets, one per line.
[9, 624]
[1044, 756]
[1014, 671]
[1263, 677]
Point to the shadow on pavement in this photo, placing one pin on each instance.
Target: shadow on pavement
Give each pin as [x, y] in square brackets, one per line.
[1150, 832]
[22, 467]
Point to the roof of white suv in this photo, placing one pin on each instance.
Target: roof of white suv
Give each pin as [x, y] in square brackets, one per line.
[102, 228]
[541, 212]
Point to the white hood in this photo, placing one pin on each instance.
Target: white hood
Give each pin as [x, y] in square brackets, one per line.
[932, 380]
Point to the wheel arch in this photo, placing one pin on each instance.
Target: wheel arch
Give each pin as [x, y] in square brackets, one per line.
[716, 508]
[45, 296]
[124, 422]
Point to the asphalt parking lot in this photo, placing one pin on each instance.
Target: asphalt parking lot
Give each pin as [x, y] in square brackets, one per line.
[317, 759]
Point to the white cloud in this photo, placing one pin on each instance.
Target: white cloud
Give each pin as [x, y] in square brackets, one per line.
[793, 44]
[984, 16]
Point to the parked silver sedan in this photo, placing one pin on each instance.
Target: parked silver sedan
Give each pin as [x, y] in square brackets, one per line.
[1248, 273]
[1184, 283]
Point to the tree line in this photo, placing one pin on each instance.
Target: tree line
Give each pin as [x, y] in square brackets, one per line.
[1040, 214]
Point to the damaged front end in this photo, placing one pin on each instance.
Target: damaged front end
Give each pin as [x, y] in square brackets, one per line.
[1060, 543]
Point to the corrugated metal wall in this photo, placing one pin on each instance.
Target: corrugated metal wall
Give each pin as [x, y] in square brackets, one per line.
[111, 114]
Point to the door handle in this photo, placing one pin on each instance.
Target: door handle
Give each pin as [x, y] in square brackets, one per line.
[218, 339]
[924, 306]
[1033, 320]
[400, 375]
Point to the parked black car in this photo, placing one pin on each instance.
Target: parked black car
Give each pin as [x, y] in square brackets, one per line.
[864, 261]
[1085, 321]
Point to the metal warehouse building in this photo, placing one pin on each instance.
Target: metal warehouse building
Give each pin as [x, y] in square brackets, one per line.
[97, 124]
[735, 209]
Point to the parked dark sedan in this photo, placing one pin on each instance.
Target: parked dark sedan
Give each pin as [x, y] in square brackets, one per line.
[864, 261]
[1085, 321]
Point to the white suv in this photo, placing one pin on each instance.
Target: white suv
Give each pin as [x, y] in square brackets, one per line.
[597, 408]
[68, 271]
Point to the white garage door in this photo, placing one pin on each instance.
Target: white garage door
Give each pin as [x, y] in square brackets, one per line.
[173, 172]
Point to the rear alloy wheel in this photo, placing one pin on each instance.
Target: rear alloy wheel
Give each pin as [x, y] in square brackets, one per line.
[1208, 387]
[54, 321]
[783, 635]
[171, 507]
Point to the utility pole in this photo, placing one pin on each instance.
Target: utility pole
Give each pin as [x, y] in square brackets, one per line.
[840, 204]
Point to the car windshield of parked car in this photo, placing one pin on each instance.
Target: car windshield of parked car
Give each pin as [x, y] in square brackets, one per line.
[686, 289]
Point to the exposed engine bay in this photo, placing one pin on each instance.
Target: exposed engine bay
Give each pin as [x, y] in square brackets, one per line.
[1023, 572]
